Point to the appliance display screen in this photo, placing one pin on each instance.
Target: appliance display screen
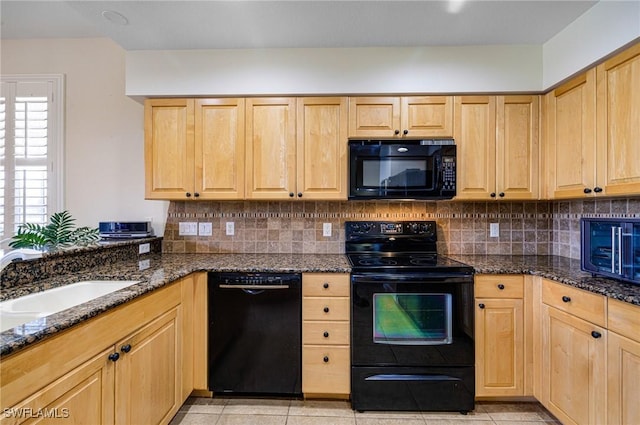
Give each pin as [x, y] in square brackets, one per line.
[412, 319]
[398, 173]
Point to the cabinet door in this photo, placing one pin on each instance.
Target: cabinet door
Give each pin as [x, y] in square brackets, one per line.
[475, 135]
[426, 116]
[623, 383]
[374, 117]
[322, 147]
[271, 148]
[618, 123]
[148, 376]
[82, 396]
[571, 137]
[499, 347]
[517, 147]
[168, 148]
[574, 368]
[219, 148]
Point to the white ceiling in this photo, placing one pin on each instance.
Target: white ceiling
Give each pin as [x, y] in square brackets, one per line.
[184, 24]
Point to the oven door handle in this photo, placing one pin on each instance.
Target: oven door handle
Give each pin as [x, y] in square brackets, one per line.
[462, 277]
[253, 287]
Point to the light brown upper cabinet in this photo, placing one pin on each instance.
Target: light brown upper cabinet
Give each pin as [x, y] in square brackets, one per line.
[618, 123]
[169, 148]
[593, 131]
[401, 117]
[296, 148]
[194, 149]
[571, 144]
[497, 139]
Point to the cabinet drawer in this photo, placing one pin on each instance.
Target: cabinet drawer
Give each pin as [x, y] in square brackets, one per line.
[624, 318]
[326, 370]
[325, 333]
[499, 286]
[583, 304]
[325, 308]
[325, 285]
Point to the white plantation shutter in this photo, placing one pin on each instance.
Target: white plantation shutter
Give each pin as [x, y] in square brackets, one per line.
[30, 141]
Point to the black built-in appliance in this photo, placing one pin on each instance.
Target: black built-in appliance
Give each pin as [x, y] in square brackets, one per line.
[255, 333]
[411, 169]
[412, 343]
[611, 247]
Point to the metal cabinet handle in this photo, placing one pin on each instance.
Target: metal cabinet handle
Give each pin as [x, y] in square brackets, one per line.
[501, 194]
[326, 359]
[493, 194]
[114, 357]
[325, 285]
[196, 194]
[396, 132]
[597, 189]
[587, 190]
[596, 334]
[125, 348]
[405, 132]
[500, 286]
[326, 309]
[481, 305]
[291, 194]
[188, 194]
[326, 334]
[565, 299]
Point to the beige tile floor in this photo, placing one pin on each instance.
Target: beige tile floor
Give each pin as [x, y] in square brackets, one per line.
[250, 411]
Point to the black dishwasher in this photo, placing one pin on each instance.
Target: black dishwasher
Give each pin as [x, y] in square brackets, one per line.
[255, 333]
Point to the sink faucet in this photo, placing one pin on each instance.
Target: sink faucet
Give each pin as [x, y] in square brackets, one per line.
[18, 254]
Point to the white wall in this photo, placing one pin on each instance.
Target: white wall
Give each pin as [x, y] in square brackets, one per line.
[329, 71]
[104, 129]
[604, 28]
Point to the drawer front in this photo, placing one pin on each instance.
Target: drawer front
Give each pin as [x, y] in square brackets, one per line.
[325, 333]
[499, 286]
[583, 304]
[325, 308]
[326, 370]
[624, 318]
[325, 285]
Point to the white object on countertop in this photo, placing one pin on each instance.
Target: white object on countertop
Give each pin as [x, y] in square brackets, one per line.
[18, 254]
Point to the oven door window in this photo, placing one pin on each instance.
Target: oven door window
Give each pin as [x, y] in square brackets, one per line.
[412, 319]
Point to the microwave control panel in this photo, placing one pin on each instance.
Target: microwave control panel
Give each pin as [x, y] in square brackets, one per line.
[448, 173]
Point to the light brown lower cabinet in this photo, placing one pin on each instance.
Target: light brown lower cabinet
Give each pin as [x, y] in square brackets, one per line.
[326, 354]
[574, 349]
[124, 366]
[623, 364]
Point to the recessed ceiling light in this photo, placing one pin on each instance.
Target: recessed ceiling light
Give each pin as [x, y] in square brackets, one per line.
[115, 17]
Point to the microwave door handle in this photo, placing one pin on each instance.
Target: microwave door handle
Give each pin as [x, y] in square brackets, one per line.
[613, 249]
[620, 251]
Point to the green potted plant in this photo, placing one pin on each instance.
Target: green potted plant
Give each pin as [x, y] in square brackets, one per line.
[59, 233]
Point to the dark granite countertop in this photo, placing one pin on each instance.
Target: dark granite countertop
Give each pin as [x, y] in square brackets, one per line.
[561, 269]
[153, 271]
[157, 270]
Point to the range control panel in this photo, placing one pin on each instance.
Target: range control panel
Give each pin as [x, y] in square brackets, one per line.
[379, 228]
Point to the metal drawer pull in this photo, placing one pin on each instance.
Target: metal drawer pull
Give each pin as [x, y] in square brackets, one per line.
[325, 285]
[326, 359]
[114, 357]
[596, 334]
[125, 348]
[565, 299]
[326, 309]
[481, 305]
[326, 334]
[500, 286]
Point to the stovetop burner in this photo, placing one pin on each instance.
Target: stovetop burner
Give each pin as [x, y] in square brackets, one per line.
[396, 246]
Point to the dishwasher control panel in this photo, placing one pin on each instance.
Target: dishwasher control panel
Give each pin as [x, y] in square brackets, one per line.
[257, 278]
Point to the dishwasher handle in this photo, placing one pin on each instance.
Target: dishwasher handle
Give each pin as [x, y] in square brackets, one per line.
[253, 287]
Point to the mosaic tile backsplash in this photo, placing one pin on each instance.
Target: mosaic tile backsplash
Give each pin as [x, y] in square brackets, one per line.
[526, 228]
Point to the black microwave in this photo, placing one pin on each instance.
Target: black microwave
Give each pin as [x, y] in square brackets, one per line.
[611, 247]
[392, 169]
